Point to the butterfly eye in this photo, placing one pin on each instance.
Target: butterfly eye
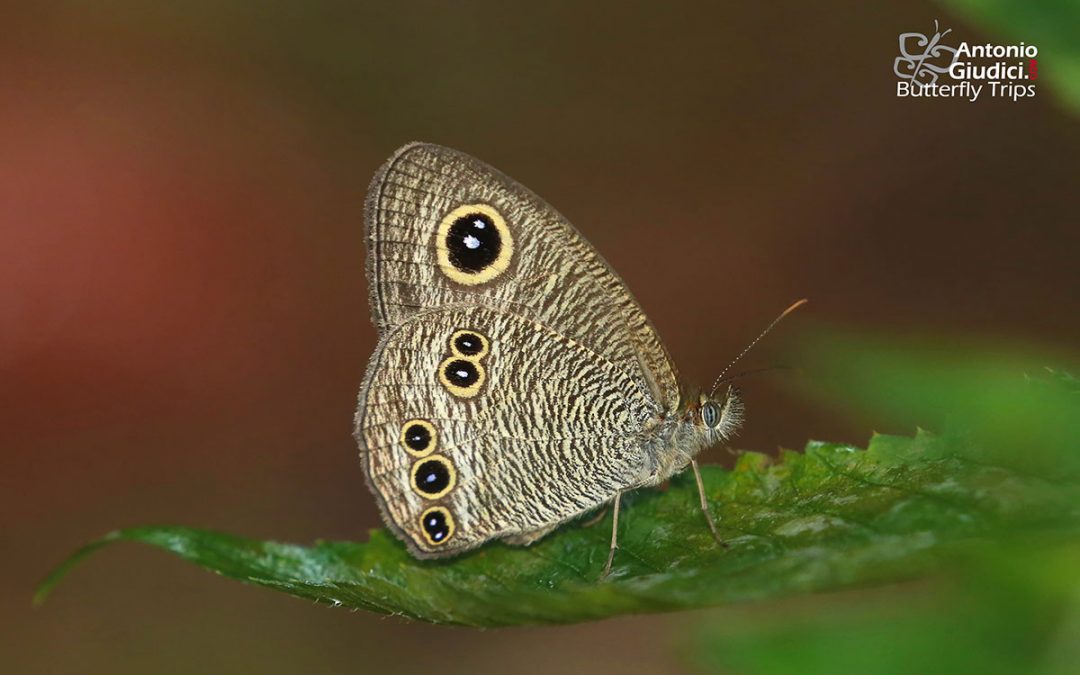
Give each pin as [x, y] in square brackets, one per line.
[437, 525]
[433, 477]
[474, 244]
[461, 377]
[419, 437]
[710, 414]
[469, 344]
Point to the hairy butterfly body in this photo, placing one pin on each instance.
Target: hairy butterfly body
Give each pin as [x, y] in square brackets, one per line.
[517, 383]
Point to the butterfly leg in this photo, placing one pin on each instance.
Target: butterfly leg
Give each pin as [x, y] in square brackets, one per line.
[614, 536]
[705, 504]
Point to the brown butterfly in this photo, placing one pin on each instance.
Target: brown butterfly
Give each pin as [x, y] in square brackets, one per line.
[517, 384]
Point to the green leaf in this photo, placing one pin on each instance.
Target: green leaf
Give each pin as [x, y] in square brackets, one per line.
[1050, 25]
[831, 517]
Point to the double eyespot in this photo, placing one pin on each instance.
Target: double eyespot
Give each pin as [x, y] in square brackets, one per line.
[461, 377]
[474, 244]
[463, 373]
[469, 344]
[437, 525]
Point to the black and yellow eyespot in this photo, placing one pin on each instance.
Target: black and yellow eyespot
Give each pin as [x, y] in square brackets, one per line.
[462, 377]
[469, 344]
[437, 525]
[433, 477]
[419, 437]
[474, 244]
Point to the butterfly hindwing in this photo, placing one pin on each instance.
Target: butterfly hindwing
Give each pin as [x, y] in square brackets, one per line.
[478, 423]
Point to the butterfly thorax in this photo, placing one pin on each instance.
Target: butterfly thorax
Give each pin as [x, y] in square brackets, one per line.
[698, 422]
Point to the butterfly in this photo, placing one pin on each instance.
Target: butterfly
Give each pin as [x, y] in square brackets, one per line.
[517, 384]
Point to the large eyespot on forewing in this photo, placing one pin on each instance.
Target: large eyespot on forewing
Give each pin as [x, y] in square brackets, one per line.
[474, 244]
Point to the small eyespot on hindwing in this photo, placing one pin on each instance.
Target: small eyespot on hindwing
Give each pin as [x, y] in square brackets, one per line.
[419, 437]
[433, 477]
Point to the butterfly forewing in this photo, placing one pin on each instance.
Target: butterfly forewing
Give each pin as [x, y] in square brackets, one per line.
[542, 269]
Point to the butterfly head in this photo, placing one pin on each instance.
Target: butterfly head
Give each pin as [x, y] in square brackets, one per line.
[704, 421]
[715, 416]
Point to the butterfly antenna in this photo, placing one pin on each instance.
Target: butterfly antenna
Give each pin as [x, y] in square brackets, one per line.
[720, 378]
[748, 373]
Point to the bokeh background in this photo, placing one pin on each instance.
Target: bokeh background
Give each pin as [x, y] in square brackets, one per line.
[183, 309]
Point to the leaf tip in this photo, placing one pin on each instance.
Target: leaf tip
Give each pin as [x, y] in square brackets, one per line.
[57, 574]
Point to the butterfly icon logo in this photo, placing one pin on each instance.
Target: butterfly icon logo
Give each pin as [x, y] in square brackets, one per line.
[923, 59]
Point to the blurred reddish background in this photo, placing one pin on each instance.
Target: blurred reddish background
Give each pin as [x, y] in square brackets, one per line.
[183, 309]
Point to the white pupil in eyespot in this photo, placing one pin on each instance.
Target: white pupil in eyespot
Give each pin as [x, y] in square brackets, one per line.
[462, 374]
[479, 224]
[471, 241]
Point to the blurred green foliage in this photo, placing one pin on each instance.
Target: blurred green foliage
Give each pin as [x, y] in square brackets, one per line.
[1005, 611]
[994, 403]
[1051, 25]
